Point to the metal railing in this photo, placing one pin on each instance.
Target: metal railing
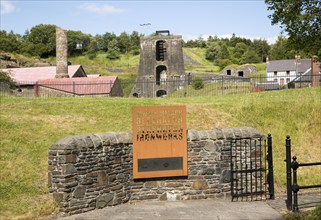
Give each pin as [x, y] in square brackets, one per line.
[212, 85]
[292, 181]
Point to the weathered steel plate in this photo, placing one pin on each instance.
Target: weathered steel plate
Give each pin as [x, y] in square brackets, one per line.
[159, 137]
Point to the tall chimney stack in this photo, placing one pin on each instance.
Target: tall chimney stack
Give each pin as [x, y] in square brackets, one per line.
[61, 53]
[315, 72]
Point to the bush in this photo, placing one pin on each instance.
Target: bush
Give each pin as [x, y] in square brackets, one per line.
[5, 78]
[197, 83]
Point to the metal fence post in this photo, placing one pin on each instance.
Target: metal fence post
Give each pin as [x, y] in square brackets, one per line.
[288, 173]
[295, 188]
[270, 168]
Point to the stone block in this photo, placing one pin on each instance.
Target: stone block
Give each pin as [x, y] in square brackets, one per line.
[225, 176]
[219, 133]
[123, 138]
[211, 134]
[228, 133]
[203, 135]
[68, 158]
[104, 200]
[96, 141]
[210, 146]
[68, 169]
[193, 135]
[101, 178]
[79, 192]
[200, 184]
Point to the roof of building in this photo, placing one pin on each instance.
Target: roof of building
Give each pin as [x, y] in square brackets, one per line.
[81, 85]
[30, 75]
[93, 75]
[288, 65]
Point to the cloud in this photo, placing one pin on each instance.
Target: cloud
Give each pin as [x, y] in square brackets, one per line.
[6, 7]
[101, 9]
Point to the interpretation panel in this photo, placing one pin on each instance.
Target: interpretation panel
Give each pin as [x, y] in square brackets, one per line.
[159, 141]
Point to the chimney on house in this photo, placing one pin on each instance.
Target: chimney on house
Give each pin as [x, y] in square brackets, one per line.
[315, 72]
[61, 53]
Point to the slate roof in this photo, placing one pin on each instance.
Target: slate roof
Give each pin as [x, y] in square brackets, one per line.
[81, 85]
[30, 75]
[288, 65]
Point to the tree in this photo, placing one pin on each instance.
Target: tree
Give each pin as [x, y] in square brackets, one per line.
[105, 39]
[261, 48]
[212, 51]
[281, 50]
[301, 20]
[77, 37]
[9, 42]
[92, 49]
[43, 37]
[249, 57]
[134, 43]
[123, 42]
[113, 51]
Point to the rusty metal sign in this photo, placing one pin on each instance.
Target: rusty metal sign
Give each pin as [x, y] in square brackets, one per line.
[159, 141]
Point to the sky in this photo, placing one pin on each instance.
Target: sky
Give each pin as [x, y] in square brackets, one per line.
[191, 19]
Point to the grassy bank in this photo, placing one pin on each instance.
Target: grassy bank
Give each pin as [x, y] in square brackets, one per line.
[29, 126]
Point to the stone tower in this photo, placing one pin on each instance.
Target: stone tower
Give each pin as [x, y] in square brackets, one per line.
[161, 66]
[61, 54]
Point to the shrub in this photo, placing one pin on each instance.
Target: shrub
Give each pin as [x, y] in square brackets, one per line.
[197, 83]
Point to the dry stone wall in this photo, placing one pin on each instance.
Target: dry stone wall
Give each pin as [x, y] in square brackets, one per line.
[88, 172]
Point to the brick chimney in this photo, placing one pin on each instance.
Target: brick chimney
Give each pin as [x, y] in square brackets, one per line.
[61, 54]
[315, 72]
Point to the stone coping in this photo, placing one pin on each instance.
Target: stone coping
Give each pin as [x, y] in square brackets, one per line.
[111, 138]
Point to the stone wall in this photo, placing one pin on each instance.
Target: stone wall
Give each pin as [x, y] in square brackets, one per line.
[87, 172]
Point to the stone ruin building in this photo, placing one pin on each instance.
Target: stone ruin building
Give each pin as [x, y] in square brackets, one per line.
[161, 66]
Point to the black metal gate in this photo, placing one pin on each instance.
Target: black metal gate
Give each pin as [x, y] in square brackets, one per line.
[251, 177]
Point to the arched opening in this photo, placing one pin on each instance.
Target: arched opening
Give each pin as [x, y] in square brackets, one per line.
[135, 94]
[161, 74]
[160, 50]
[161, 93]
[241, 73]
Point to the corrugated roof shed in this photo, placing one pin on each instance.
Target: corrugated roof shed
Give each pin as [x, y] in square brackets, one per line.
[30, 75]
[81, 86]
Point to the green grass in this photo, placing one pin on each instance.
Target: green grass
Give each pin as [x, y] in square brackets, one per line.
[214, 89]
[29, 126]
[198, 55]
[314, 214]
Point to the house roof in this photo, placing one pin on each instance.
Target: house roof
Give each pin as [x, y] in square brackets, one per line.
[93, 75]
[288, 65]
[30, 75]
[81, 85]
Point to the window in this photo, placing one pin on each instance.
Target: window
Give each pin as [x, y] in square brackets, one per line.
[275, 73]
[288, 72]
[241, 73]
[160, 50]
[228, 72]
[276, 80]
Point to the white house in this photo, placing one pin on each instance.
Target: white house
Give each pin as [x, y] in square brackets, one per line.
[285, 71]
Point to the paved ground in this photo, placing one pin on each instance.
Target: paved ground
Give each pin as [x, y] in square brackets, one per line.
[200, 209]
[305, 201]
[190, 209]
